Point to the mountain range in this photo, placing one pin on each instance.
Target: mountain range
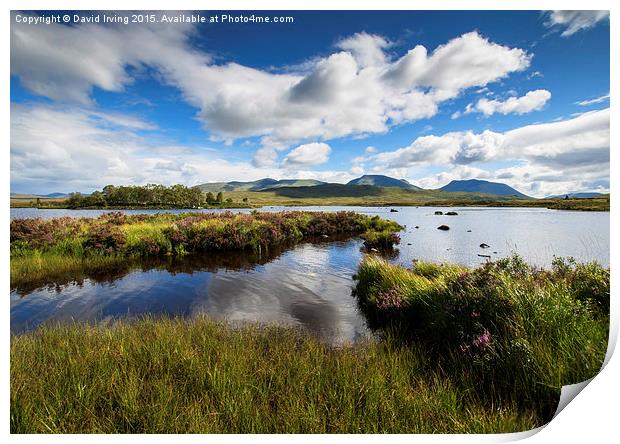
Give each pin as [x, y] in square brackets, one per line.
[368, 184]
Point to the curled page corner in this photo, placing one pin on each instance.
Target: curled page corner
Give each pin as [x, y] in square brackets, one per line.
[568, 393]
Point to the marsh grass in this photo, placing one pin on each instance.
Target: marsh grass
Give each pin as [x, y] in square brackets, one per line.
[520, 332]
[204, 376]
[48, 248]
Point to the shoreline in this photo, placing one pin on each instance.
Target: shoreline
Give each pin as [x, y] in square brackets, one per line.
[560, 205]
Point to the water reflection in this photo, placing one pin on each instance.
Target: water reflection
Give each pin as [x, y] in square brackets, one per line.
[309, 285]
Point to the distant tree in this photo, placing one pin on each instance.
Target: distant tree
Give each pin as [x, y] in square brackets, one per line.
[245, 199]
[210, 198]
[220, 197]
[75, 200]
[38, 201]
[229, 200]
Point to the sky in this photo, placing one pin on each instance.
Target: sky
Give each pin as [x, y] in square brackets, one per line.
[518, 97]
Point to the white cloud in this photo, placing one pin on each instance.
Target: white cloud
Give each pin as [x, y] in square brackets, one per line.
[571, 153]
[308, 154]
[574, 21]
[532, 101]
[466, 61]
[357, 90]
[77, 149]
[367, 49]
[584, 139]
[593, 101]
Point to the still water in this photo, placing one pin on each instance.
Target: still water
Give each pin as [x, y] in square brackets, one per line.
[309, 285]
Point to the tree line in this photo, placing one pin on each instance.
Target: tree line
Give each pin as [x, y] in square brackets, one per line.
[151, 195]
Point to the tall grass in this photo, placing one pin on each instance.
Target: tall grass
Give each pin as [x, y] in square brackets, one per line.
[202, 376]
[521, 333]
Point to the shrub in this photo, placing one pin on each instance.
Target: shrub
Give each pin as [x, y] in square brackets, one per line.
[381, 240]
[104, 238]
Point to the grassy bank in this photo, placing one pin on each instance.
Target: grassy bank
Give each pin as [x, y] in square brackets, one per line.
[43, 248]
[377, 197]
[386, 197]
[202, 376]
[511, 332]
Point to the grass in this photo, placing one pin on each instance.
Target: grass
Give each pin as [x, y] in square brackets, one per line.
[459, 351]
[385, 197]
[202, 376]
[365, 195]
[521, 333]
[44, 249]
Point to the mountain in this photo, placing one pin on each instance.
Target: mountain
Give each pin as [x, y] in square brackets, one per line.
[378, 180]
[482, 186]
[583, 195]
[258, 185]
[29, 195]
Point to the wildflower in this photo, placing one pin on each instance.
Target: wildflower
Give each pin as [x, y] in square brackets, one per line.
[390, 299]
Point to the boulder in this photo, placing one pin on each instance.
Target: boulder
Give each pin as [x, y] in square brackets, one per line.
[443, 227]
[483, 245]
[392, 210]
[438, 213]
[452, 213]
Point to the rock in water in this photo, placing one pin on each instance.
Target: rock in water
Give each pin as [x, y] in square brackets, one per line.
[392, 210]
[483, 245]
[438, 213]
[443, 227]
[452, 213]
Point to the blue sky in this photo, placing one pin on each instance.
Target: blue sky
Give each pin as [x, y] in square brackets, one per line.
[520, 97]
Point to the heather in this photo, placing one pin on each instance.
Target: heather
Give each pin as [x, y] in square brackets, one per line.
[44, 247]
[519, 332]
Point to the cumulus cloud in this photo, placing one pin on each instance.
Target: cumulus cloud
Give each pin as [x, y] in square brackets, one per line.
[574, 21]
[532, 101]
[307, 154]
[466, 61]
[564, 153]
[367, 49]
[360, 89]
[556, 142]
[66, 148]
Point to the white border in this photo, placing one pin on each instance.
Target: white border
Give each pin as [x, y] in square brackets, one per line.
[591, 417]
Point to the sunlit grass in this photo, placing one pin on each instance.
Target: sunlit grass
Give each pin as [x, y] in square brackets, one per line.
[203, 376]
[523, 332]
[51, 247]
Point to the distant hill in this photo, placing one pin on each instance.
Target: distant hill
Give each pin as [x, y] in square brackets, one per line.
[482, 186]
[584, 195]
[30, 196]
[378, 180]
[257, 185]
